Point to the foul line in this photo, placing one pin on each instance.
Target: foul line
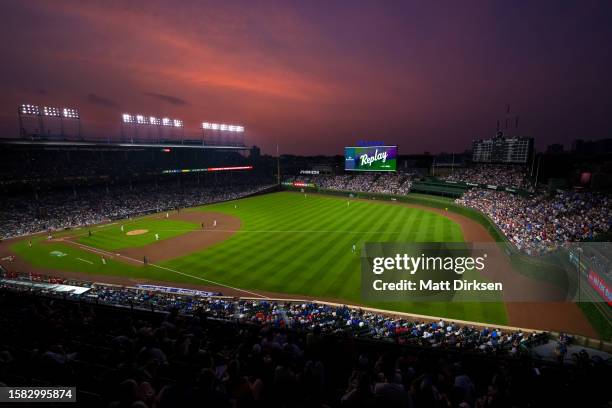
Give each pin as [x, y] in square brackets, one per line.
[112, 255]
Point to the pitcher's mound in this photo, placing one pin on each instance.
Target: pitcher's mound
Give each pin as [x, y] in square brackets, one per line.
[137, 232]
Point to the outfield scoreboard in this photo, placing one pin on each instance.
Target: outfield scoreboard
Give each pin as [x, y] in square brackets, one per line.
[501, 149]
[370, 158]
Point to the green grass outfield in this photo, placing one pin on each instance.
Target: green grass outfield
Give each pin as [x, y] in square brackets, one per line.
[287, 244]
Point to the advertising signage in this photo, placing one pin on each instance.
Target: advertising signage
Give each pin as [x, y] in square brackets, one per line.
[373, 158]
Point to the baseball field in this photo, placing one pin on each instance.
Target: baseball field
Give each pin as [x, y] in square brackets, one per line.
[284, 244]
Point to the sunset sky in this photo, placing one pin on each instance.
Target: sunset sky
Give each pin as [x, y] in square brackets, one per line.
[317, 75]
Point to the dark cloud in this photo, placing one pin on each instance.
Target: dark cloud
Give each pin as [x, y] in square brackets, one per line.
[102, 101]
[173, 100]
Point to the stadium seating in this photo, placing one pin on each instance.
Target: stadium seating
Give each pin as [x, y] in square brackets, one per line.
[59, 209]
[540, 223]
[212, 357]
[513, 176]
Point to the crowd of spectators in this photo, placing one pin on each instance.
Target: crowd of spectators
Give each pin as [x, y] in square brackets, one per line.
[326, 318]
[492, 174]
[392, 183]
[235, 354]
[53, 210]
[382, 183]
[539, 223]
[335, 182]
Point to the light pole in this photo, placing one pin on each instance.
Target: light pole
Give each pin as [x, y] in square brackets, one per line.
[277, 164]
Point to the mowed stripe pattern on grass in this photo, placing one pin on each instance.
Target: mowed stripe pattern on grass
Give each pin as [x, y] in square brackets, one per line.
[289, 243]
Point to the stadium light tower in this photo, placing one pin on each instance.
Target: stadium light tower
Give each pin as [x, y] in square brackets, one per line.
[71, 113]
[141, 120]
[51, 111]
[71, 122]
[30, 120]
[178, 126]
[221, 133]
[127, 122]
[156, 127]
[48, 121]
[222, 127]
[167, 128]
[52, 121]
[27, 109]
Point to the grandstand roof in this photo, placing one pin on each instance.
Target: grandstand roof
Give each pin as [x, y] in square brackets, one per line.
[71, 143]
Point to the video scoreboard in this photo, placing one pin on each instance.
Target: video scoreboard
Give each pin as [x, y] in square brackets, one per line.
[370, 158]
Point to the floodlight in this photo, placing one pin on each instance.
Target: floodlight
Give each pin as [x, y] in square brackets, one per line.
[167, 122]
[222, 127]
[154, 121]
[140, 119]
[127, 118]
[51, 111]
[178, 123]
[27, 109]
[71, 113]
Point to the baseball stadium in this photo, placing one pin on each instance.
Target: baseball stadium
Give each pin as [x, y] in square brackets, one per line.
[281, 244]
[157, 252]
